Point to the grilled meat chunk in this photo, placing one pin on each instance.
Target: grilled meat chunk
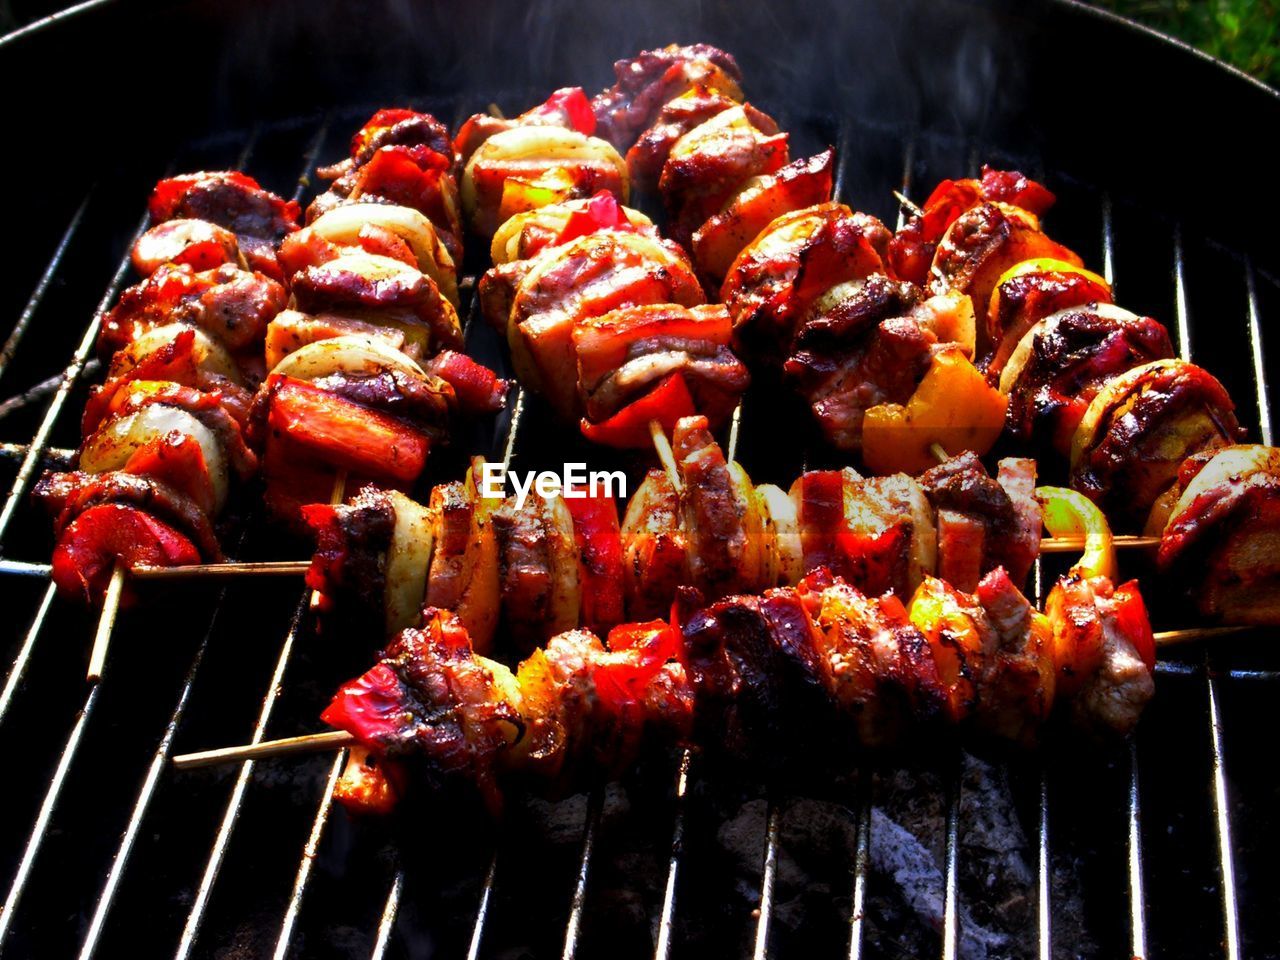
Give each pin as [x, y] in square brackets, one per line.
[1062, 362]
[1140, 427]
[652, 79]
[1221, 538]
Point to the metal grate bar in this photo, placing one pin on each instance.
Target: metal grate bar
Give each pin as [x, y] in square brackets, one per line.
[573, 928]
[861, 862]
[1044, 879]
[37, 392]
[388, 921]
[1218, 777]
[42, 286]
[1181, 311]
[19, 666]
[482, 911]
[309, 852]
[1137, 896]
[666, 921]
[1222, 820]
[232, 814]
[1255, 344]
[106, 898]
[35, 450]
[16, 451]
[767, 879]
[950, 915]
[41, 826]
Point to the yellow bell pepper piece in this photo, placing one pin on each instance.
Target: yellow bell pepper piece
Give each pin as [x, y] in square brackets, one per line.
[953, 407]
[1069, 513]
[520, 195]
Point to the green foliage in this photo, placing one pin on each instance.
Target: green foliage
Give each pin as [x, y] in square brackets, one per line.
[1245, 33]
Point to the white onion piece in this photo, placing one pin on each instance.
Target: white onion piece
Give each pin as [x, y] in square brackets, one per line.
[352, 354]
[542, 144]
[408, 561]
[209, 353]
[788, 556]
[341, 225]
[112, 445]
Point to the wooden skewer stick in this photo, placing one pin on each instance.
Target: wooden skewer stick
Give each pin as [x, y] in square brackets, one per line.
[337, 739]
[939, 452]
[106, 622]
[1169, 638]
[260, 568]
[663, 447]
[299, 568]
[1122, 541]
[903, 199]
[310, 743]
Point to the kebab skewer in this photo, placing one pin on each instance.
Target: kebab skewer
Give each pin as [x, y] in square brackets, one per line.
[746, 673]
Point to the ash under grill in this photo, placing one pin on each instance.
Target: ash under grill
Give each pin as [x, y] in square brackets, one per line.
[1158, 847]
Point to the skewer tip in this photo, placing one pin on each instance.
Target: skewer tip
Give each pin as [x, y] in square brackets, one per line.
[106, 622]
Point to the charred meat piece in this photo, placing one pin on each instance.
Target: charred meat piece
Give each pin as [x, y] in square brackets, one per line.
[718, 513]
[589, 277]
[1018, 680]
[980, 525]
[912, 251]
[349, 566]
[258, 218]
[1222, 536]
[759, 669]
[626, 352]
[1104, 651]
[647, 157]
[653, 78]
[980, 246]
[708, 165]
[432, 700]
[199, 244]
[538, 563]
[859, 346]
[778, 278]
[231, 304]
[1064, 360]
[878, 667]
[1139, 429]
[756, 203]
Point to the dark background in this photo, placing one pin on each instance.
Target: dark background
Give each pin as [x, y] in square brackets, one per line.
[1244, 33]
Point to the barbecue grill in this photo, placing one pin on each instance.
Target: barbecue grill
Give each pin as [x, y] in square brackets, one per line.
[1160, 847]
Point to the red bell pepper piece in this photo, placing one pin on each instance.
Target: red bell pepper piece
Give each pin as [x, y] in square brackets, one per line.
[1011, 186]
[599, 539]
[345, 434]
[479, 389]
[570, 106]
[176, 459]
[371, 707]
[1131, 616]
[91, 545]
[629, 427]
[821, 517]
[601, 212]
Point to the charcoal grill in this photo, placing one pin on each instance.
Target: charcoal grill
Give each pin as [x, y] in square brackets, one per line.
[1154, 848]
